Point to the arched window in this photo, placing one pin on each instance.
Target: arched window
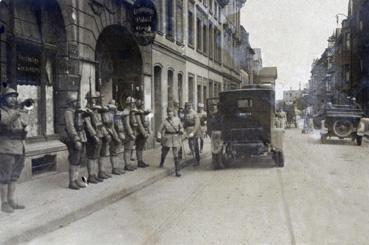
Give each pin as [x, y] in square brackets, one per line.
[157, 96]
[170, 87]
[180, 89]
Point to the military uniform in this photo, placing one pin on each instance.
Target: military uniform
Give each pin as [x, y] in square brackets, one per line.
[130, 126]
[143, 133]
[169, 133]
[191, 125]
[114, 126]
[203, 121]
[12, 135]
[93, 127]
[76, 141]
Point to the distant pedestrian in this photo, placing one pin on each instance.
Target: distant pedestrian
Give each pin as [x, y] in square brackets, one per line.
[169, 134]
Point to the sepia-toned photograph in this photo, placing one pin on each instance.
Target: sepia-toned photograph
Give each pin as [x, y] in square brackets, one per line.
[184, 122]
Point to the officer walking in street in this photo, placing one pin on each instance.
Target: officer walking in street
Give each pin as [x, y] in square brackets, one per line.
[192, 127]
[13, 132]
[203, 121]
[169, 134]
[130, 126]
[75, 140]
[143, 132]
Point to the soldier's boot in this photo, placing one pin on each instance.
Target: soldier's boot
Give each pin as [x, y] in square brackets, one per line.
[77, 180]
[5, 207]
[176, 167]
[11, 196]
[114, 165]
[162, 160]
[91, 173]
[102, 174]
[128, 167]
[140, 162]
[72, 182]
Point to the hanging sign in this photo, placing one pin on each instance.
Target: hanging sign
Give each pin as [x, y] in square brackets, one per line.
[144, 21]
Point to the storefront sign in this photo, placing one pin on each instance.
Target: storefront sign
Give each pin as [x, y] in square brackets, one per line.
[28, 65]
[144, 21]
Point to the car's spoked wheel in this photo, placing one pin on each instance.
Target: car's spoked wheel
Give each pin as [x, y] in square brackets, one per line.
[343, 128]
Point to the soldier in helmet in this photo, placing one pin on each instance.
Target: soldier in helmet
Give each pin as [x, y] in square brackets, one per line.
[169, 134]
[13, 132]
[203, 121]
[192, 126]
[94, 134]
[117, 131]
[75, 141]
[143, 132]
[130, 126]
[104, 117]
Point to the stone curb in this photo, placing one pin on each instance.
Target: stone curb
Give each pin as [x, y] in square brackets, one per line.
[52, 225]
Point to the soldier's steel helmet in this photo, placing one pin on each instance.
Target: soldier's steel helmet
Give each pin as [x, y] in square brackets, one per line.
[9, 92]
[188, 104]
[112, 104]
[200, 105]
[170, 109]
[130, 99]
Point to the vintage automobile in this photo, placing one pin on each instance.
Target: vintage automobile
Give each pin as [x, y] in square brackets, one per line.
[241, 124]
[339, 121]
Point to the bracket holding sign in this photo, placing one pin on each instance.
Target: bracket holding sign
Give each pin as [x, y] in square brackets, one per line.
[144, 22]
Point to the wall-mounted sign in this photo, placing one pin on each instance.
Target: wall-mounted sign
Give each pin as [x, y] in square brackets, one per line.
[28, 65]
[144, 21]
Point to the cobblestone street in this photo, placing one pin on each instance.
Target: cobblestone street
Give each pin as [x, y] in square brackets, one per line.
[319, 197]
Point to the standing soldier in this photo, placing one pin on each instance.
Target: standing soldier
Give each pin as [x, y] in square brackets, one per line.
[93, 125]
[192, 127]
[12, 135]
[203, 121]
[116, 145]
[103, 117]
[169, 134]
[143, 132]
[76, 140]
[130, 126]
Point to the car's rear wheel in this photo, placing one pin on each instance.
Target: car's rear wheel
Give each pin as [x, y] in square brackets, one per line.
[343, 128]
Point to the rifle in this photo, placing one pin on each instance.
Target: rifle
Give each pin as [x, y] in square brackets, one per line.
[90, 95]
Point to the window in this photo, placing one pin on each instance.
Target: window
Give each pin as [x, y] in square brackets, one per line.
[211, 6]
[179, 19]
[169, 19]
[190, 88]
[348, 41]
[205, 38]
[211, 41]
[190, 24]
[159, 8]
[180, 89]
[199, 34]
[216, 10]
[170, 86]
[245, 103]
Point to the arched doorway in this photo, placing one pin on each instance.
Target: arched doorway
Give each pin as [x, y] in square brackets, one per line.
[119, 65]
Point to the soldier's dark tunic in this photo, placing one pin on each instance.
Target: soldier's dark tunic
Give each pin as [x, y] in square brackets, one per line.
[12, 135]
[106, 119]
[142, 130]
[94, 131]
[130, 126]
[75, 129]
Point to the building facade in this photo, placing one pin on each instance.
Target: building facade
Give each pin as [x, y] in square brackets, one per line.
[51, 48]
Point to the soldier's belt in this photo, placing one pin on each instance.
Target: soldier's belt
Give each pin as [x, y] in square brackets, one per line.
[171, 132]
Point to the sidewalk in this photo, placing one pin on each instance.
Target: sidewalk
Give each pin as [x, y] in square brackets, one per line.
[51, 205]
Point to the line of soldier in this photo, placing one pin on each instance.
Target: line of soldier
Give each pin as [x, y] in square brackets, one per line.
[106, 135]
